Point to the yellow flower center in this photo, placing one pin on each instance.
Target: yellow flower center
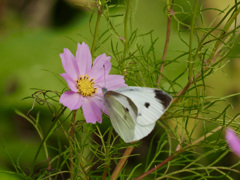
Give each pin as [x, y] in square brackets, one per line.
[86, 86]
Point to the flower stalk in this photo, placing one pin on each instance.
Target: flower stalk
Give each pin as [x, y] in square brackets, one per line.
[180, 151]
[126, 28]
[100, 12]
[71, 141]
[190, 59]
[166, 43]
[107, 152]
[121, 163]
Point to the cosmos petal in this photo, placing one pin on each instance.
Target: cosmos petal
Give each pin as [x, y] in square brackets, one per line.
[72, 100]
[113, 82]
[101, 60]
[233, 141]
[91, 111]
[100, 66]
[72, 84]
[83, 58]
[69, 64]
[98, 99]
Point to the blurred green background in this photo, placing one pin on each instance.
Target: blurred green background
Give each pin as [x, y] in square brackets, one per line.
[32, 35]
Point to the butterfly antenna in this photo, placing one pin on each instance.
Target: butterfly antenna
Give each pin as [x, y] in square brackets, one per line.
[104, 76]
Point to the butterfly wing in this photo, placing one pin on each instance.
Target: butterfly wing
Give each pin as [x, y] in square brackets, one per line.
[123, 113]
[142, 131]
[151, 103]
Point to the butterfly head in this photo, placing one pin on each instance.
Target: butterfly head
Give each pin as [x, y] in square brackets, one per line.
[104, 90]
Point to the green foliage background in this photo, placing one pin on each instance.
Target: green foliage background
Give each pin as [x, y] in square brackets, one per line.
[29, 58]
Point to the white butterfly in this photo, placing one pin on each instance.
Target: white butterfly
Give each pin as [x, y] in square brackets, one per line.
[134, 111]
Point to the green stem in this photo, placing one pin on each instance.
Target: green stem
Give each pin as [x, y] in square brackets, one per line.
[190, 59]
[71, 141]
[126, 28]
[121, 163]
[96, 29]
[226, 28]
[35, 124]
[107, 152]
[180, 151]
[170, 10]
[208, 34]
[51, 129]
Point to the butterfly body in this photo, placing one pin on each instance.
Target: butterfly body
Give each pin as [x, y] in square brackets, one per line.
[134, 111]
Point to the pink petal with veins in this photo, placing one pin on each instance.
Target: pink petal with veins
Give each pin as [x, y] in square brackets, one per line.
[71, 100]
[91, 112]
[84, 59]
[69, 64]
[72, 84]
[233, 141]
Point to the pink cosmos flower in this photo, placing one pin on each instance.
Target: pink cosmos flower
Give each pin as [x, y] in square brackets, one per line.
[86, 81]
[233, 141]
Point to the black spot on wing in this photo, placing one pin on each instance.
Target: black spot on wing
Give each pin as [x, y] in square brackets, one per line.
[132, 105]
[163, 97]
[147, 104]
